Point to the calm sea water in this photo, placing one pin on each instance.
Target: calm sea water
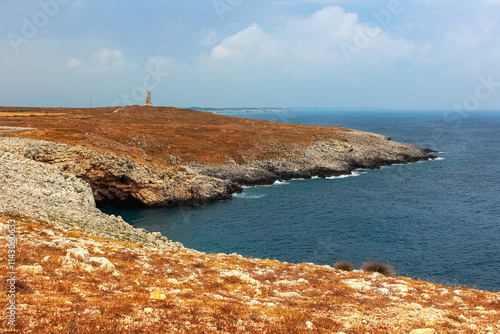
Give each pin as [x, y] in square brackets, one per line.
[437, 220]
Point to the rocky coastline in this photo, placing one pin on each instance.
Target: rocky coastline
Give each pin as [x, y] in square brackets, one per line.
[43, 193]
[122, 180]
[323, 159]
[79, 270]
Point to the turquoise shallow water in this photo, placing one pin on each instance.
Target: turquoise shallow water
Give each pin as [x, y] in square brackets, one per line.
[437, 220]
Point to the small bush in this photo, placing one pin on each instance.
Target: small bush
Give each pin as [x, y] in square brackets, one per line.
[343, 265]
[379, 267]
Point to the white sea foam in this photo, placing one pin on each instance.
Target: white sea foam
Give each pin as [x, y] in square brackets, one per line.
[279, 183]
[338, 177]
[248, 196]
[439, 158]
[354, 173]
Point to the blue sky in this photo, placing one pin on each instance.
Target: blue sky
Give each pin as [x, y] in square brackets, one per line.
[415, 54]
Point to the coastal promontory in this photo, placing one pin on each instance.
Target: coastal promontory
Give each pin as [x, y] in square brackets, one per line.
[73, 269]
[163, 156]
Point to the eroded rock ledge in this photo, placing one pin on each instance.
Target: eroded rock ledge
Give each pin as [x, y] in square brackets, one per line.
[323, 159]
[121, 179]
[43, 193]
[112, 177]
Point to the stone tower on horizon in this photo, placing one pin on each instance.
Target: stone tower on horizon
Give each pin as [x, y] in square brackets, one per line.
[148, 101]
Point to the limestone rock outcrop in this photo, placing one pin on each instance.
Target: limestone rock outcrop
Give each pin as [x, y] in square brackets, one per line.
[323, 159]
[117, 178]
[43, 193]
[121, 179]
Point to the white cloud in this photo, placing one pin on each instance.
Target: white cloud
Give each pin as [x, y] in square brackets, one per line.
[73, 63]
[106, 60]
[164, 66]
[208, 37]
[310, 44]
[251, 44]
[110, 58]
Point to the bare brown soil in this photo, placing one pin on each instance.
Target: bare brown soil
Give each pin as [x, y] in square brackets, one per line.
[155, 134]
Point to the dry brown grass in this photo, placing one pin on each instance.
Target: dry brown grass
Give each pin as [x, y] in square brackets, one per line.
[379, 267]
[343, 265]
[162, 132]
[202, 300]
[29, 114]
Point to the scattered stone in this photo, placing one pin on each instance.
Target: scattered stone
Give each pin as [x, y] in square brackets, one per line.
[50, 233]
[103, 264]
[173, 281]
[287, 294]
[98, 251]
[98, 261]
[423, 331]
[254, 303]
[398, 288]
[79, 254]
[30, 270]
[158, 295]
[358, 284]
[243, 277]
[415, 306]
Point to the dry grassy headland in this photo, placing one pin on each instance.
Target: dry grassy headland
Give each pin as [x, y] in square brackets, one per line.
[167, 156]
[78, 270]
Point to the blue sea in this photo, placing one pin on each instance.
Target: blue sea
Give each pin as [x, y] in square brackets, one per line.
[437, 220]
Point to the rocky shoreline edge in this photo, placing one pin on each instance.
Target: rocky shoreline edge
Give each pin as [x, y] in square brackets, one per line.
[79, 270]
[42, 193]
[121, 180]
[56, 182]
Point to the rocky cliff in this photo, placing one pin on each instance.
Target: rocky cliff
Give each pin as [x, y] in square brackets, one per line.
[121, 179]
[79, 270]
[71, 282]
[167, 156]
[124, 180]
[324, 158]
[43, 193]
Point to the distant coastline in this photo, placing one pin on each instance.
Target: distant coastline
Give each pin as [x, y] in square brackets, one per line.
[240, 110]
